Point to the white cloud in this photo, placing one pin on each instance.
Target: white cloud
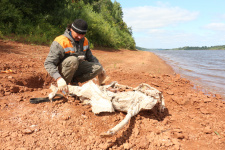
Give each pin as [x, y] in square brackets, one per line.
[223, 16]
[156, 31]
[216, 26]
[149, 17]
[175, 39]
[168, 39]
[157, 27]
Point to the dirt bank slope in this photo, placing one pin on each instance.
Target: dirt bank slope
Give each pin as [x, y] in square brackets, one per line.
[192, 120]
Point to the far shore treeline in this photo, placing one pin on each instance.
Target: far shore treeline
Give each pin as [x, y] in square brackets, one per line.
[40, 21]
[219, 47]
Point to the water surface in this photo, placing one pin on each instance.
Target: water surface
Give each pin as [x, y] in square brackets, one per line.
[205, 68]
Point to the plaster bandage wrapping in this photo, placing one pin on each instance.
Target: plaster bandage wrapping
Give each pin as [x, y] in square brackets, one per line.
[117, 97]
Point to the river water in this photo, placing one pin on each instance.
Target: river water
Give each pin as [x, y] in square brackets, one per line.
[204, 68]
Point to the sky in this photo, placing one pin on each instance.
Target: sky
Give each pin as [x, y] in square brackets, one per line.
[175, 23]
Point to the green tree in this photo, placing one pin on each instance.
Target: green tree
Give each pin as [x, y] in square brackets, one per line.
[41, 21]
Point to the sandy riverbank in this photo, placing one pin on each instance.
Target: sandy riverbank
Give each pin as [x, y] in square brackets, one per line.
[193, 120]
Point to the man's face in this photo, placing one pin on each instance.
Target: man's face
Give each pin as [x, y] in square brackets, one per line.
[77, 36]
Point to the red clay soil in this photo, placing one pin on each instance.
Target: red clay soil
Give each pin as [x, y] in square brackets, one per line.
[192, 120]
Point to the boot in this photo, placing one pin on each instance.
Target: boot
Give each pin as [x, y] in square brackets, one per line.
[102, 78]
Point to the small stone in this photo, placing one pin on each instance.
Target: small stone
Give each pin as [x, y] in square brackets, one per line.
[7, 93]
[10, 148]
[175, 141]
[166, 75]
[21, 149]
[5, 134]
[27, 131]
[10, 77]
[170, 92]
[218, 96]
[208, 130]
[127, 146]
[77, 102]
[157, 131]
[19, 98]
[144, 143]
[26, 89]
[84, 116]
[14, 134]
[204, 110]
[155, 84]
[206, 100]
[136, 132]
[66, 117]
[177, 133]
[105, 145]
[21, 90]
[14, 89]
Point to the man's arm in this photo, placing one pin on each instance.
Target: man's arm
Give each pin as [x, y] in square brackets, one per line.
[90, 57]
[53, 59]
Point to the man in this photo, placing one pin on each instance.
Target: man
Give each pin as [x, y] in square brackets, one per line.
[70, 59]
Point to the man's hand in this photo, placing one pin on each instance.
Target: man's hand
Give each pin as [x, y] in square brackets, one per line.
[81, 57]
[62, 86]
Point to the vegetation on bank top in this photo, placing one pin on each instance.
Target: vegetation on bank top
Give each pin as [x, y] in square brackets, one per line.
[41, 21]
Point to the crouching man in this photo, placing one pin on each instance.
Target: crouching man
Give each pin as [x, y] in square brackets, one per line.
[70, 59]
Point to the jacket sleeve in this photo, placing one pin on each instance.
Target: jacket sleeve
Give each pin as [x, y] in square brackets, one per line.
[53, 59]
[90, 57]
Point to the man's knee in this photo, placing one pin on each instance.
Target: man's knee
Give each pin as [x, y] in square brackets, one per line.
[97, 69]
[68, 67]
[70, 61]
